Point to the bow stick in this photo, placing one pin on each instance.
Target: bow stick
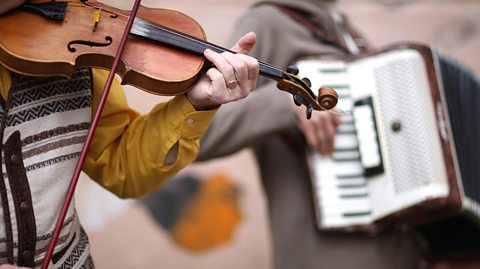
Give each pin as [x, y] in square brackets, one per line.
[81, 161]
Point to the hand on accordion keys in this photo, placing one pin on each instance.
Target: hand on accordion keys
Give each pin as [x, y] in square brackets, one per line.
[319, 131]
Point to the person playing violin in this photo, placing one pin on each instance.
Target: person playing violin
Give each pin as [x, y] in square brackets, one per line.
[44, 124]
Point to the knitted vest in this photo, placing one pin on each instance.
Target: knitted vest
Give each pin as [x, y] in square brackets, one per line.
[43, 126]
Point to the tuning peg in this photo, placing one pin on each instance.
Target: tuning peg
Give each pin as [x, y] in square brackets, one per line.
[292, 69]
[309, 110]
[307, 81]
[298, 98]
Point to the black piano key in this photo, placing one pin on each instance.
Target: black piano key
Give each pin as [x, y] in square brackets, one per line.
[350, 196]
[357, 214]
[346, 159]
[350, 130]
[351, 186]
[346, 176]
[343, 149]
[334, 70]
[338, 86]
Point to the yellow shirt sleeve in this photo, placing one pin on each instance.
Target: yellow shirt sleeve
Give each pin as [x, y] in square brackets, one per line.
[128, 152]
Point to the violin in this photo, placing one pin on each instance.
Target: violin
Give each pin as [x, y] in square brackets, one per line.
[163, 55]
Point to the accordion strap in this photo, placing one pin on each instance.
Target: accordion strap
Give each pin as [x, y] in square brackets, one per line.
[319, 33]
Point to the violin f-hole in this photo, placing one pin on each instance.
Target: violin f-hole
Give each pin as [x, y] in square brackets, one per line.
[89, 43]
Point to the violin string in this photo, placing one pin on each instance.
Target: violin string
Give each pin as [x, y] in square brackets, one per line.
[146, 29]
[143, 28]
[338, 111]
[276, 72]
[173, 32]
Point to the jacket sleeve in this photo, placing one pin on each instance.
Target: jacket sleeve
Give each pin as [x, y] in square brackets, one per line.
[247, 123]
[131, 154]
[265, 112]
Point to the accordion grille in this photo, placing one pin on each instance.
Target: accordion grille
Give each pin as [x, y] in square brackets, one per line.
[414, 151]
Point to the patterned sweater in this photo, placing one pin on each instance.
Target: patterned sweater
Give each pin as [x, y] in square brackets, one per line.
[36, 159]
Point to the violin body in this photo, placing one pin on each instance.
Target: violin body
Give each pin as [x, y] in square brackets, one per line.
[35, 45]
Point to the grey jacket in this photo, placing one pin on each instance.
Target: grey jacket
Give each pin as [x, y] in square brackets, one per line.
[264, 122]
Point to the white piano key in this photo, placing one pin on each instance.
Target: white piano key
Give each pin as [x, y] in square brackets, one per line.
[363, 112]
[345, 104]
[368, 146]
[371, 160]
[343, 93]
[338, 183]
[367, 134]
[332, 193]
[361, 123]
[321, 66]
[345, 141]
[346, 128]
[326, 189]
[322, 164]
[342, 155]
[337, 199]
[346, 118]
[345, 207]
[333, 221]
[370, 153]
[329, 168]
[326, 182]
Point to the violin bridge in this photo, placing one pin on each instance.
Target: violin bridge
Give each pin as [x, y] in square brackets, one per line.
[96, 18]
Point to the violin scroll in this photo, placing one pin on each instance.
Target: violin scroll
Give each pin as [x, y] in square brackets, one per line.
[327, 97]
[302, 94]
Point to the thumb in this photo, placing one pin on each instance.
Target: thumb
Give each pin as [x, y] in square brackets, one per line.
[245, 43]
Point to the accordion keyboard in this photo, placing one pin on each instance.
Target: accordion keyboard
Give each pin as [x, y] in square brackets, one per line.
[341, 178]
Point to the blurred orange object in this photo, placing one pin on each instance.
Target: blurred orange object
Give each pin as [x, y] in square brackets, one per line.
[211, 217]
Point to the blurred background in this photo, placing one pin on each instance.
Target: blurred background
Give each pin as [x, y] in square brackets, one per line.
[124, 234]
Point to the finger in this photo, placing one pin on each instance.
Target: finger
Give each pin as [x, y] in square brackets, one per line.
[240, 68]
[218, 91]
[337, 120]
[245, 43]
[311, 137]
[221, 63]
[329, 129]
[217, 80]
[325, 132]
[252, 66]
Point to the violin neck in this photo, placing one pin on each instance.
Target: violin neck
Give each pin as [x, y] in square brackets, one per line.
[166, 36]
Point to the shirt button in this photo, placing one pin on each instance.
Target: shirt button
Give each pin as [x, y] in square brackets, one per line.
[190, 121]
[15, 159]
[24, 206]
[26, 254]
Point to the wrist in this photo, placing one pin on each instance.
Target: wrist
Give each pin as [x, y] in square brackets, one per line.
[200, 106]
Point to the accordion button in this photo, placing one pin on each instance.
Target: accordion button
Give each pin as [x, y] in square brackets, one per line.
[396, 126]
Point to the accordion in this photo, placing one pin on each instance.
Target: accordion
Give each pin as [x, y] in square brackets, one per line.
[407, 148]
